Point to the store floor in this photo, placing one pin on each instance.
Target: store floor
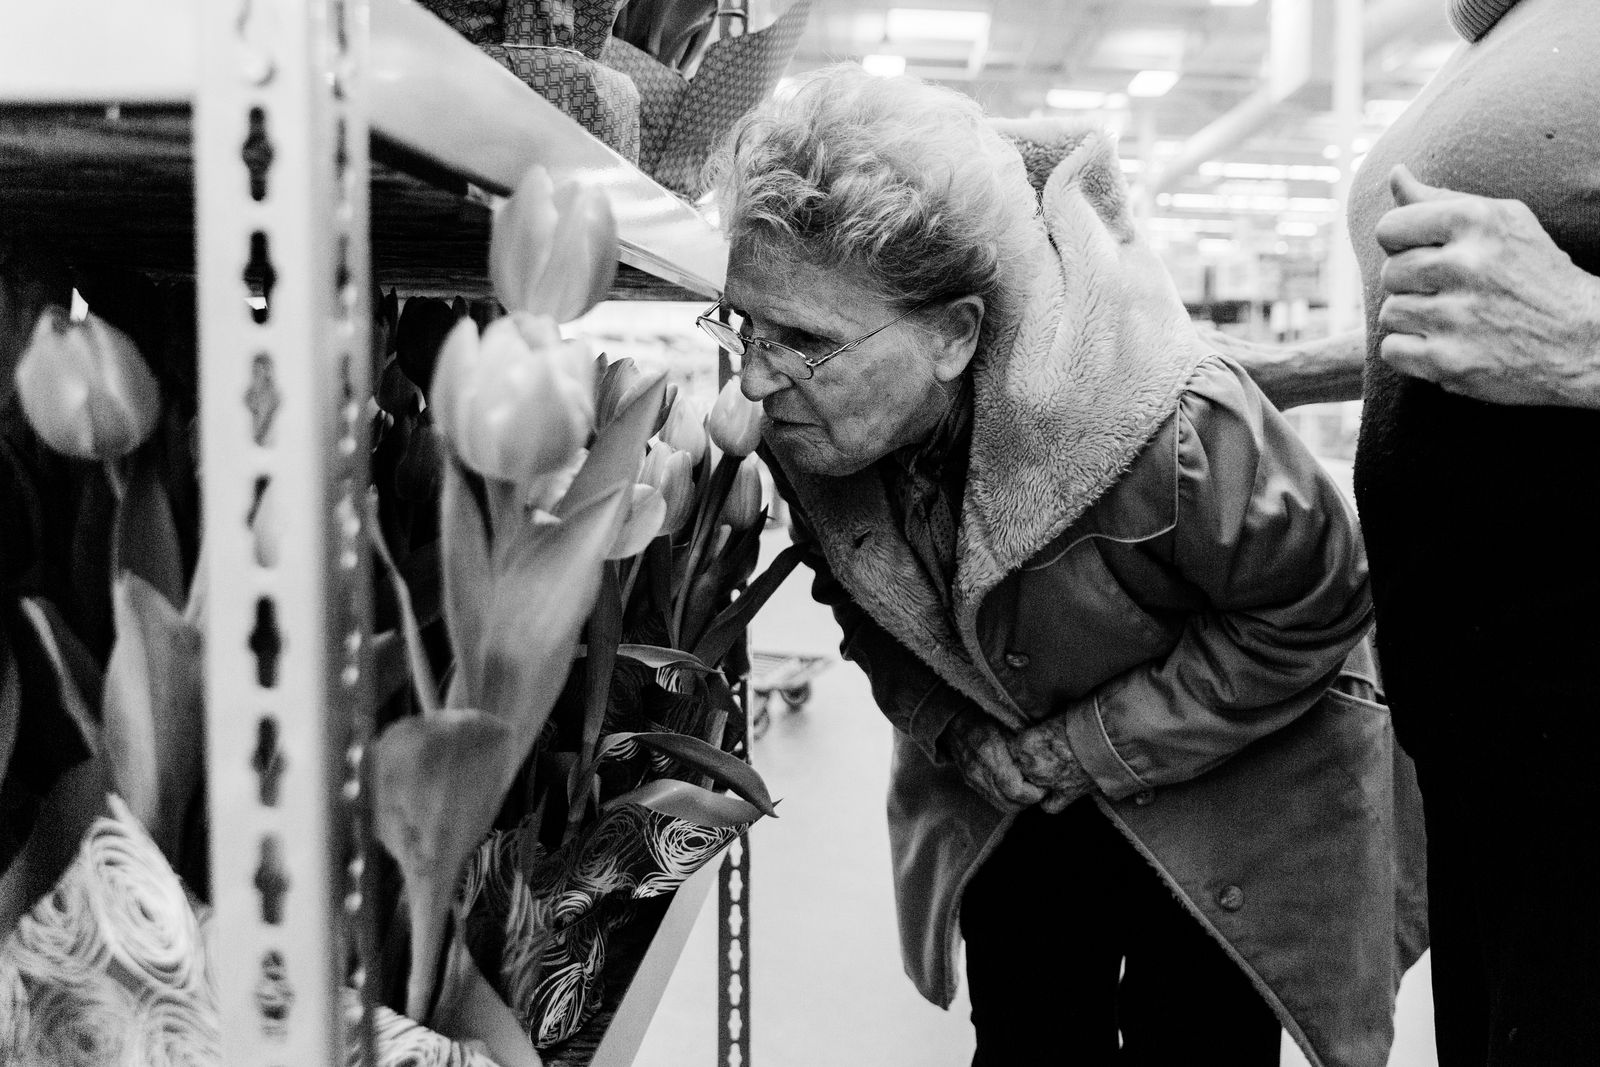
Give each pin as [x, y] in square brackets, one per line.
[826, 986]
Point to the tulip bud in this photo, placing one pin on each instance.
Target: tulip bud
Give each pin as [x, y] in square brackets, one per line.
[420, 473]
[553, 249]
[671, 471]
[646, 512]
[616, 383]
[742, 509]
[685, 429]
[85, 389]
[517, 403]
[735, 421]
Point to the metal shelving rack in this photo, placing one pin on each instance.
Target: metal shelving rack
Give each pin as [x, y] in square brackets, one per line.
[283, 95]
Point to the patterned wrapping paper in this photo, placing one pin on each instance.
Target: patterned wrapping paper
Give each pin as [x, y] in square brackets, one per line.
[667, 124]
[540, 921]
[112, 969]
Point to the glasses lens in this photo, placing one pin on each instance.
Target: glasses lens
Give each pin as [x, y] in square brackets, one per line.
[780, 358]
[723, 334]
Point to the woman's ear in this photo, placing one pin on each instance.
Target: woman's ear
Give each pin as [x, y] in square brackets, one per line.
[956, 325]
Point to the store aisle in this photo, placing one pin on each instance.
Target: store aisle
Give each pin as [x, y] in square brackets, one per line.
[826, 985]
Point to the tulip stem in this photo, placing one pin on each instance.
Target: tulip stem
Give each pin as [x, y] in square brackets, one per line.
[634, 565]
[117, 478]
[711, 505]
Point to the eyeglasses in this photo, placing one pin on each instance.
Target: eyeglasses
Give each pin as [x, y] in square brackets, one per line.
[789, 362]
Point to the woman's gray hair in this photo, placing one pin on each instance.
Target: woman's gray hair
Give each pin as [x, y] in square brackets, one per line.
[903, 180]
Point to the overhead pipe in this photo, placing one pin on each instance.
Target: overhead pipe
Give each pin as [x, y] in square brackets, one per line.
[1383, 22]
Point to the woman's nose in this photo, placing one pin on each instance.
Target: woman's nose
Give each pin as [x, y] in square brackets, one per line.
[757, 379]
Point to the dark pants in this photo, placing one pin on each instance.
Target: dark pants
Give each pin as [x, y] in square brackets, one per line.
[1063, 907]
[1513, 915]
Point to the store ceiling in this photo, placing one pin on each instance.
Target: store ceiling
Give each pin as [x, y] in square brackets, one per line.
[1031, 57]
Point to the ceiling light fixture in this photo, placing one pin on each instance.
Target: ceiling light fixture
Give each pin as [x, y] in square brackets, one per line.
[1152, 83]
[924, 24]
[884, 66]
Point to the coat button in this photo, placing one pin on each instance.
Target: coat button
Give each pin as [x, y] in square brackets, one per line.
[1016, 660]
[1231, 898]
[1144, 796]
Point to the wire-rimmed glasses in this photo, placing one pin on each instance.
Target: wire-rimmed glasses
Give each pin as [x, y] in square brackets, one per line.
[789, 362]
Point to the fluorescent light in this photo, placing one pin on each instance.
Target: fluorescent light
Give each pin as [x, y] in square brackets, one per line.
[1298, 229]
[1075, 99]
[884, 66]
[1310, 205]
[1293, 172]
[1115, 101]
[1151, 83]
[924, 24]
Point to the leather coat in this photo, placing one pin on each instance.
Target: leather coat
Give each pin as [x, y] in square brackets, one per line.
[1148, 551]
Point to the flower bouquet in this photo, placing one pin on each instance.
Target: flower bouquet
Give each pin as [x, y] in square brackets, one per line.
[595, 532]
[570, 548]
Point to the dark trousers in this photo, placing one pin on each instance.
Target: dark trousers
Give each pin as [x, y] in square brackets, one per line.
[1513, 912]
[1072, 939]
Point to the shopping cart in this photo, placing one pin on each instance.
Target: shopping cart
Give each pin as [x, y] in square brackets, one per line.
[782, 676]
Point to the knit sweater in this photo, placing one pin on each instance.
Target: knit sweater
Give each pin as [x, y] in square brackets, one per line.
[1481, 519]
[1473, 18]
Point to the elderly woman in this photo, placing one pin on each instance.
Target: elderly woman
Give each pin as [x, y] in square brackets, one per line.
[1113, 608]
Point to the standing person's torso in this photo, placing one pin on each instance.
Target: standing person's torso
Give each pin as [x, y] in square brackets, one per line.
[1483, 521]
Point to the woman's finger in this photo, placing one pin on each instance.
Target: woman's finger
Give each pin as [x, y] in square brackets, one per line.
[1410, 354]
[1408, 313]
[1416, 270]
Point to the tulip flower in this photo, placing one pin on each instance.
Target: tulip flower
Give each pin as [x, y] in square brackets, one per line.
[735, 421]
[671, 472]
[685, 429]
[516, 404]
[553, 249]
[647, 510]
[617, 383]
[742, 509]
[85, 389]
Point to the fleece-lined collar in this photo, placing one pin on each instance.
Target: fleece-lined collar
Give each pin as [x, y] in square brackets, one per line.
[1066, 391]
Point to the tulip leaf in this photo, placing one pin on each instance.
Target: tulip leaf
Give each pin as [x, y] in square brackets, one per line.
[470, 1010]
[77, 798]
[436, 789]
[618, 450]
[421, 670]
[153, 710]
[604, 630]
[145, 538]
[10, 703]
[78, 679]
[722, 767]
[735, 618]
[391, 668]
[535, 610]
[691, 803]
[468, 580]
[659, 658]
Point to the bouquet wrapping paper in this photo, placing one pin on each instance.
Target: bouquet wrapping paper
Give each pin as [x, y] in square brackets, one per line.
[112, 969]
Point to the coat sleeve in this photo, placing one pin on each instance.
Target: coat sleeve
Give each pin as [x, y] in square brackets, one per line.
[914, 699]
[1272, 549]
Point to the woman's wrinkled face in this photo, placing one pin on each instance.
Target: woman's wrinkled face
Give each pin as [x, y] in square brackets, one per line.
[856, 408]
